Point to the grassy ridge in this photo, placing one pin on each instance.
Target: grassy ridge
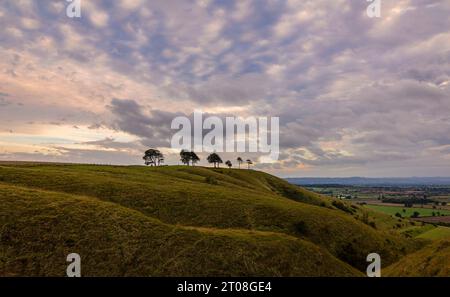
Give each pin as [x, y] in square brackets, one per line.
[208, 199]
[432, 260]
[39, 228]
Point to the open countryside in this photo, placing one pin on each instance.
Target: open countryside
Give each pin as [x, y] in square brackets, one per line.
[410, 211]
[186, 220]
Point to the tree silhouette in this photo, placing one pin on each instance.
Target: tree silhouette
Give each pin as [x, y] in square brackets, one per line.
[229, 164]
[194, 158]
[153, 157]
[214, 159]
[249, 162]
[160, 160]
[239, 159]
[185, 157]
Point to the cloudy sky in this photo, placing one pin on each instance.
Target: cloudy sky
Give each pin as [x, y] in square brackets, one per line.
[355, 95]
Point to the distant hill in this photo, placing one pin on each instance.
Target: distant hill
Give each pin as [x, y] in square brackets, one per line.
[181, 221]
[364, 181]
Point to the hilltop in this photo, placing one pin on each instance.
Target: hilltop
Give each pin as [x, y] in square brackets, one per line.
[181, 221]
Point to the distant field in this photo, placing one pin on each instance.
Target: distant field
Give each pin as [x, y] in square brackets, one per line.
[372, 194]
[407, 212]
[434, 220]
[440, 232]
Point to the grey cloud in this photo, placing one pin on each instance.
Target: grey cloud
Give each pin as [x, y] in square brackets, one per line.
[377, 89]
[110, 143]
[3, 99]
[4, 102]
[95, 126]
[153, 126]
[224, 90]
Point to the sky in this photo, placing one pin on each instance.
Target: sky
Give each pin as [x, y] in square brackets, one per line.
[355, 96]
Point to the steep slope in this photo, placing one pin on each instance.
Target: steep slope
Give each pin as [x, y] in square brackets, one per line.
[40, 228]
[432, 260]
[220, 199]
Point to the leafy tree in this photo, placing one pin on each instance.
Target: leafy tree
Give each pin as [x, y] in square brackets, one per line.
[214, 159]
[408, 204]
[229, 164]
[240, 161]
[249, 162]
[153, 157]
[416, 214]
[194, 158]
[185, 157]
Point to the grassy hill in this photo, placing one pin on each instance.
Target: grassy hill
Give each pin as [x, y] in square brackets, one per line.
[432, 260]
[181, 221]
[40, 228]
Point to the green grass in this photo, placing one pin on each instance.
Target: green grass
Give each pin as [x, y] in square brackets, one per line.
[409, 211]
[171, 221]
[40, 228]
[415, 231]
[432, 260]
[439, 232]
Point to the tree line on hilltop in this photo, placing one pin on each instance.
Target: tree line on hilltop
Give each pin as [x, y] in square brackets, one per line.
[154, 157]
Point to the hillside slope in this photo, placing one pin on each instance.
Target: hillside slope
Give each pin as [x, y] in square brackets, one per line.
[432, 260]
[217, 202]
[40, 228]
